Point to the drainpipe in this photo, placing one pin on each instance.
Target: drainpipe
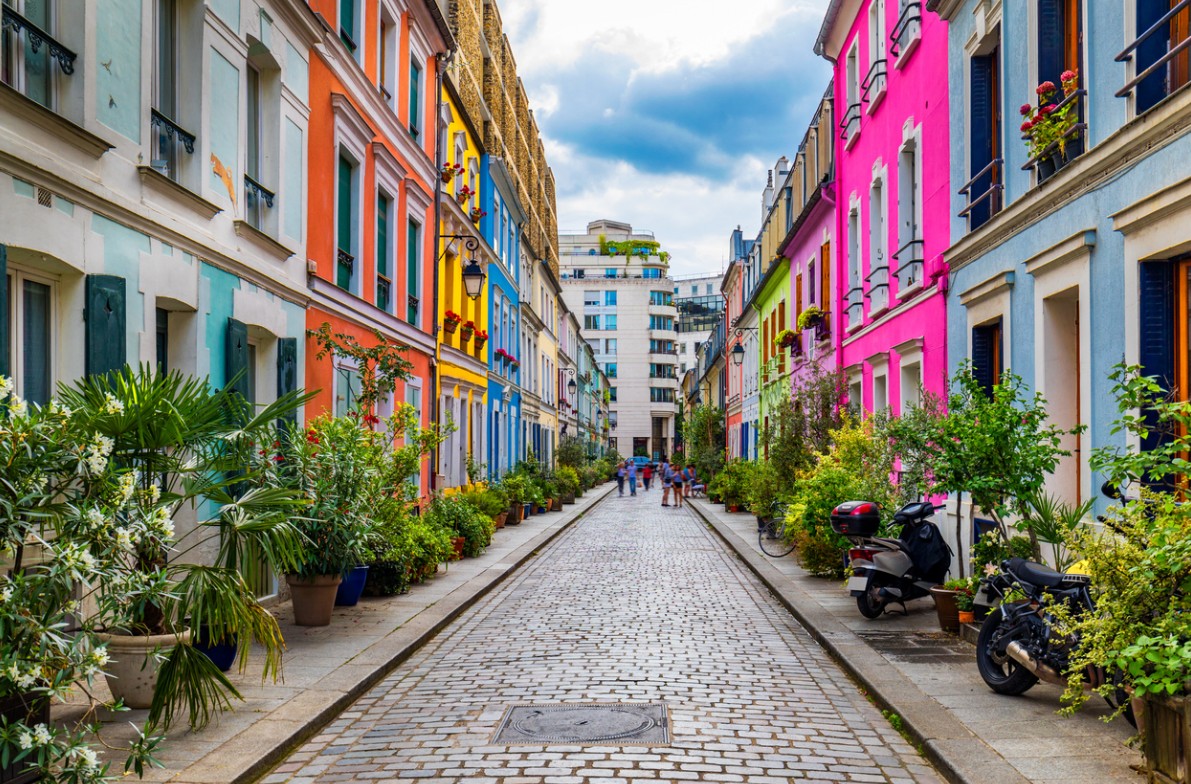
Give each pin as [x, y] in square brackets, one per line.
[444, 60]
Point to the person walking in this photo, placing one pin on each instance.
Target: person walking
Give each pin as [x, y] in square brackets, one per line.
[667, 481]
[647, 474]
[677, 481]
[632, 475]
[620, 474]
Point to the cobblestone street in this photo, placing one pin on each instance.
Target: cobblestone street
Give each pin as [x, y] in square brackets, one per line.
[636, 603]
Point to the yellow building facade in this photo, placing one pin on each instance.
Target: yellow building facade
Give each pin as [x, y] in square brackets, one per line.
[462, 347]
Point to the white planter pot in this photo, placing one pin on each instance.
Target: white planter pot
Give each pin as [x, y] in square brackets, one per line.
[131, 674]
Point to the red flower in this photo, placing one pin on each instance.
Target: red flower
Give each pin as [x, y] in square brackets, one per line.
[278, 458]
[1025, 110]
[1027, 126]
[1046, 88]
[1068, 76]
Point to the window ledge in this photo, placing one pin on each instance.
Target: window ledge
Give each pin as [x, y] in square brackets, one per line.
[909, 291]
[852, 137]
[19, 105]
[262, 240]
[877, 97]
[164, 185]
[908, 48]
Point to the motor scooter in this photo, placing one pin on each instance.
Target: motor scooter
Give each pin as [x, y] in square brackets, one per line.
[889, 571]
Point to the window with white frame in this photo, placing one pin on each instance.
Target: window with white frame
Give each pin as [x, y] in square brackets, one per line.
[878, 257]
[352, 137]
[388, 46]
[347, 387]
[855, 305]
[171, 144]
[875, 79]
[351, 27]
[850, 124]
[909, 255]
[31, 73]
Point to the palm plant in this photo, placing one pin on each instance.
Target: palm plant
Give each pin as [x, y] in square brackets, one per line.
[177, 444]
[1052, 521]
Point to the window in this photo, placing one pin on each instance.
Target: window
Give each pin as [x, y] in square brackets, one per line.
[909, 205]
[415, 101]
[987, 363]
[610, 370]
[384, 280]
[984, 143]
[413, 259]
[651, 272]
[591, 322]
[694, 290]
[345, 218]
[660, 298]
[348, 32]
[850, 124]
[347, 388]
[591, 299]
[27, 71]
[413, 396]
[30, 330]
[612, 394]
[167, 135]
[1171, 74]
[257, 198]
[855, 291]
[878, 259]
[163, 340]
[388, 59]
[661, 322]
[611, 272]
[661, 395]
[707, 289]
[609, 298]
[610, 322]
[610, 344]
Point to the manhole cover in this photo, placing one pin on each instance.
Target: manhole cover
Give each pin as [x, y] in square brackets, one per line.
[631, 723]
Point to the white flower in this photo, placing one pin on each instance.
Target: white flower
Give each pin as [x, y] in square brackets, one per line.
[88, 759]
[41, 735]
[100, 656]
[112, 406]
[5, 387]
[128, 486]
[991, 569]
[154, 493]
[18, 408]
[96, 519]
[25, 740]
[123, 538]
[12, 672]
[6, 593]
[27, 680]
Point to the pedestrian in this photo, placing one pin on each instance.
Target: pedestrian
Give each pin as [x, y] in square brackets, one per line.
[647, 474]
[667, 481]
[697, 487]
[620, 474]
[632, 475]
[676, 472]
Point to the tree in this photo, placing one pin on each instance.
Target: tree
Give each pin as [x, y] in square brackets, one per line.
[703, 439]
[380, 366]
[800, 426]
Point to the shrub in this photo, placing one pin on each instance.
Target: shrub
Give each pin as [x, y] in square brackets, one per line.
[568, 480]
[429, 544]
[462, 518]
[763, 488]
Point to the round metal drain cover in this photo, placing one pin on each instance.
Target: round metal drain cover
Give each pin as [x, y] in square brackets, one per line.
[563, 723]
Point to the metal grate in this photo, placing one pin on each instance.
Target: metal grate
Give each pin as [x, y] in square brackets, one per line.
[603, 724]
[44, 197]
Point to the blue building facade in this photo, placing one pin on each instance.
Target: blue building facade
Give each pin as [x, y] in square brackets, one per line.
[1062, 268]
[502, 230]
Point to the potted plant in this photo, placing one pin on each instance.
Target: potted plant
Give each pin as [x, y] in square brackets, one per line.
[946, 607]
[477, 214]
[965, 602]
[463, 194]
[481, 338]
[568, 482]
[811, 317]
[1046, 128]
[469, 329]
[451, 321]
[517, 488]
[786, 338]
[450, 171]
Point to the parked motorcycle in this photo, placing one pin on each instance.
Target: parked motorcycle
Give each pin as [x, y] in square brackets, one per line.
[1018, 645]
[891, 571]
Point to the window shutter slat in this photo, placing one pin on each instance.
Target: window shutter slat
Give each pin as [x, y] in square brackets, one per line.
[287, 371]
[106, 337]
[1156, 344]
[235, 358]
[5, 335]
[1152, 89]
[981, 142]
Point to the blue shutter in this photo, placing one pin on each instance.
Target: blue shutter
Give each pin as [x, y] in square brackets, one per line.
[1050, 41]
[5, 335]
[235, 358]
[1152, 89]
[106, 342]
[1156, 341]
[980, 145]
[287, 372]
[986, 349]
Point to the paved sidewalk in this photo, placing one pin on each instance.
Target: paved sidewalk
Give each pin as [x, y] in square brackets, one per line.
[635, 604]
[930, 679]
[327, 668]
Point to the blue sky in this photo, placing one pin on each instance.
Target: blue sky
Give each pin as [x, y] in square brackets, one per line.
[668, 114]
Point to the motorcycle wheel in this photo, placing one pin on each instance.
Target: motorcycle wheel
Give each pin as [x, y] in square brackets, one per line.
[869, 603]
[1002, 674]
[1121, 697]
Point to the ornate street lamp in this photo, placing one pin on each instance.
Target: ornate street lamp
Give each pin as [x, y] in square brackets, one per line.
[473, 273]
[738, 349]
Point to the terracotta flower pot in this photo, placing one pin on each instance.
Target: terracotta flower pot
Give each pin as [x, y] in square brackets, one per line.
[450, 326]
[314, 598]
[132, 672]
[946, 609]
[967, 616]
[499, 520]
[457, 543]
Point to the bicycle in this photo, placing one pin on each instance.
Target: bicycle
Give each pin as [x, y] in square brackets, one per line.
[771, 534]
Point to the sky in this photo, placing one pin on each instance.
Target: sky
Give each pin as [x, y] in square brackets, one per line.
[668, 114]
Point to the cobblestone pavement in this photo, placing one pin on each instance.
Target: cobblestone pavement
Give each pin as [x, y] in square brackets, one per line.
[636, 603]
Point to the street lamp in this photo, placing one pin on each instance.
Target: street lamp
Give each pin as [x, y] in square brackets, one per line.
[473, 273]
[738, 349]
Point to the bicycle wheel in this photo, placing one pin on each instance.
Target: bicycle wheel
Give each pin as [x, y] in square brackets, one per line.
[772, 540]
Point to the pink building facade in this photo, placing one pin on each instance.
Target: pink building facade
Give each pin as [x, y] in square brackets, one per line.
[892, 164]
[736, 436]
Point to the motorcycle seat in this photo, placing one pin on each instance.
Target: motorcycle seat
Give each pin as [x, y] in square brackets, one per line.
[892, 544]
[1035, 573]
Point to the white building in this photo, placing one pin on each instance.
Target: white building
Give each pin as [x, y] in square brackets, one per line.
[699, 302]
[616, 281]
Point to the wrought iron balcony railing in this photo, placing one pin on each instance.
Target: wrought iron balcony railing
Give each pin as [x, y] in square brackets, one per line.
[850, 125]
[986, 203]
[36, 37]
[1158, 68]
[907, 30]
[873, 86]
[167, 137]
[910, 265]
[257, 198]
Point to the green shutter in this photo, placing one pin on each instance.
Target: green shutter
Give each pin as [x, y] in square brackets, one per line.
[235, 358]
[343, 272]
[5, 335]
[411, 273]
[287, 372]
[415, 76]
[106, 336]
[382, 236]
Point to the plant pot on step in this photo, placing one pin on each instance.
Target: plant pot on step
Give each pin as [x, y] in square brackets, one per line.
[1046, 168]
[314, 598]
[349, 591]
[32, 709]
[528, 511]
[568, 498]
[222, 653]
[135, 661]
[457, 543]
[967, 616]
[945, 608]
[1165, 724]
[514, 515]
[499, 520]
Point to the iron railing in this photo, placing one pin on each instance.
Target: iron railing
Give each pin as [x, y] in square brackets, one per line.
[910, 261]
[256, 199]
[167, 136]
[910, 21]
[851, 117]
[10, 19]
[876, 78]
[992, 194]
[1171, 52]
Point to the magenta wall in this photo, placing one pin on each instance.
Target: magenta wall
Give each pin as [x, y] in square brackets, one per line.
[803, 253]
[916, 101]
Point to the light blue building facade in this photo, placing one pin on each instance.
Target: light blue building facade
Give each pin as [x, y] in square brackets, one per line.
[1061, 275]
[501, 228]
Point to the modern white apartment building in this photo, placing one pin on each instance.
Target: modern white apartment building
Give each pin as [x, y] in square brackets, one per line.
[699, 302]
[615, 280]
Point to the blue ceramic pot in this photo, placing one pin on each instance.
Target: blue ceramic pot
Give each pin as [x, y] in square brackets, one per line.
[352, 587]
[221, 654]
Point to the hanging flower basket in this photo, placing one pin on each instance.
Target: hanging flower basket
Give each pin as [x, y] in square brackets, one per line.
[786, 338]
[481, 338]
[811, 317]
[477, 215]
[450, 171]
[463, 194]
[469, 329]
[451, 321]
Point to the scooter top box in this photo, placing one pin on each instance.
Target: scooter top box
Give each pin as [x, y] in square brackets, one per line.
[856, 518]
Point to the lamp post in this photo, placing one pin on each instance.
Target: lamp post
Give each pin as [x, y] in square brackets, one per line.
[473, 273]
[738, 350]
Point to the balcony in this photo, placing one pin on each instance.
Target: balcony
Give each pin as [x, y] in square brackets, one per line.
[850, 125]
[984, 193]
[30, 75]
[257, 199]
[167, 136]
[855, 307]
[875, 83]
[907, 33]
[345, 266]
[878, 289]
[910, 267]
[1161, 66]
[1050, 161]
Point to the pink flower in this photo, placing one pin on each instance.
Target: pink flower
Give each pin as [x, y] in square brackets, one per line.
[1046, 88]
[1048, 109]
[1025, 110]
[1068, 76]
[1027, 126]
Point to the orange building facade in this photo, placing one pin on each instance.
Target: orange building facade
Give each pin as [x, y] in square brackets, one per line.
[374, 87]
